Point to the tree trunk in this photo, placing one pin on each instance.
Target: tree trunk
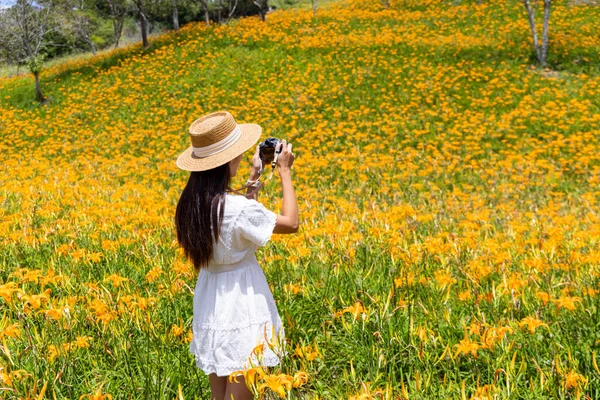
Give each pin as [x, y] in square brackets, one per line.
[206, 16]
[531, 17]
[117, 16]
[232, 9]
[38, 90]
[144, 28]
[315, 4]
[117, 30]
[175, 16]
[219, 12]
[545, 31]
[263, 6]
[92, 47]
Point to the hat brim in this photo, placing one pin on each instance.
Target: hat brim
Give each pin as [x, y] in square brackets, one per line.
[187, 161]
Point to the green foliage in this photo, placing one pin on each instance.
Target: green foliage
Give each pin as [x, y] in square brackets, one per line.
[189, 11]
[130, 26]
[35, 64]
[282, 4]
[103, 34]
[60, 42]
[99, 41]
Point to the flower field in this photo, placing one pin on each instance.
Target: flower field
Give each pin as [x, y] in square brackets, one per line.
[448, 191]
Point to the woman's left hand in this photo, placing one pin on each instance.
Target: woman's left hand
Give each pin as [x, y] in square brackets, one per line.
[256, 164]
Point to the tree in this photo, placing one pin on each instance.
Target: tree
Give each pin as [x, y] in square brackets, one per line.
[175, 16]
[231, 8]
[117, 11]
[82, 21]
[263, 7]
[315, 4]
[142, 13]
[540, 51]
[219, 11]
[204, 4]
[24, 30]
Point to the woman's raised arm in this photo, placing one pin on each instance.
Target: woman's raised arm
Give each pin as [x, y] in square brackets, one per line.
[287, 222]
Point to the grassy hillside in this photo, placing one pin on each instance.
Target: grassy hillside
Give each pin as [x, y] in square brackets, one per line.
[448, 190]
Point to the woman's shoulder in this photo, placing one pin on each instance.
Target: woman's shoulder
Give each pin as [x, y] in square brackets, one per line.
[235, 203]
[236, 199]
[253, 221]
[242, 201]
[242, 204]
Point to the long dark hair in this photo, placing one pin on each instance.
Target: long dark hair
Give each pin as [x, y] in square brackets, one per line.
[202, 204]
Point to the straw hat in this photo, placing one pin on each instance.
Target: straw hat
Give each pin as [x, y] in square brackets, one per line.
[216, 140]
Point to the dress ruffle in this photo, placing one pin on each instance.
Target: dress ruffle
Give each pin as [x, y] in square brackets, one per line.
[231, 311]
[232, 349]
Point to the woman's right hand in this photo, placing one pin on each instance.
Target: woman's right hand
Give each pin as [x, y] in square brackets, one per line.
[286, 157]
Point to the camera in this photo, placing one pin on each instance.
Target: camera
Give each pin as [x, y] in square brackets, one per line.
[266, 151]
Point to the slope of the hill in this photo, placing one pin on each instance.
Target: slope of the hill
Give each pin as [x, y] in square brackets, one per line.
[448, 193]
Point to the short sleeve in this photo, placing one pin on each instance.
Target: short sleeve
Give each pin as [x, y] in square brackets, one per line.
[255, 223]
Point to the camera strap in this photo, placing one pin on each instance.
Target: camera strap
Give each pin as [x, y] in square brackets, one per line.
[260, 184]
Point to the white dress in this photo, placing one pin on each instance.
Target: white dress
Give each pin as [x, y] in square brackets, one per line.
[233, 306]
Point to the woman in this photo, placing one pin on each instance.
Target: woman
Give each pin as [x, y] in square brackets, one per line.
[219, 232]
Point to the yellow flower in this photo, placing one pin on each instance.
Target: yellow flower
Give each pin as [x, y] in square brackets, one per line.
[300, 378]
[53, 313]
[407, 280]
[465, 295]
[63, 249]
[53, 352]
[573, 380]
[83, 342]
[12, 331]
[115, 279]
[251, 376]
[101, 311]
[355, 310]
[176, 330]
[466, 346]
[153, 274]
[277, 383]
[5, 379]
[94, 257]
[258, 351]
[96, 396]
[532, 323]
[291, 287]
[545, 297]
[307, 352]
[514, 282]
[424, 334]
[7, 290]
[493, 335]
[568, 302]
[35, 300]
[78, 254]
[8, 378]
[443, 279]
[367, 393]
[484, 392]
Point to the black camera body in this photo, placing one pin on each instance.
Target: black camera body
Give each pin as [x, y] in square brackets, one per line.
[266, 151]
